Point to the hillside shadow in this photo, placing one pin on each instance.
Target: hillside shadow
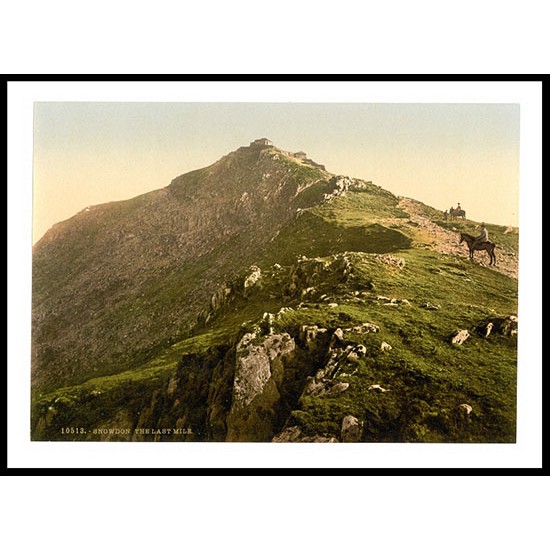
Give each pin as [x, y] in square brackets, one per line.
[310, 235]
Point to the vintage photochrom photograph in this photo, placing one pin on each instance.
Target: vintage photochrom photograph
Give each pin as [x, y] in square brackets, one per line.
[276, 272]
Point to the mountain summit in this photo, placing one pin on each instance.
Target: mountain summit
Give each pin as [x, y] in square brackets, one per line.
[139, 270]
[263, 298]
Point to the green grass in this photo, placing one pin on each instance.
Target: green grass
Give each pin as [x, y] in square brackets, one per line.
[314, 235]
[358, 208]
[427, 376]
[424, 371]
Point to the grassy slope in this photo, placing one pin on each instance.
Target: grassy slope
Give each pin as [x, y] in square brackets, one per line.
[427, 376]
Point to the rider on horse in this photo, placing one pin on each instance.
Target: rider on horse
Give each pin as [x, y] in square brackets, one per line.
[483, 237]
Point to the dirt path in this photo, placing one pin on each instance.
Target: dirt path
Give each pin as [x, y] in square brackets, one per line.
[446, 241]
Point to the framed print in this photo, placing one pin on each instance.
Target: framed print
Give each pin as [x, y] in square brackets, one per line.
[286, 271]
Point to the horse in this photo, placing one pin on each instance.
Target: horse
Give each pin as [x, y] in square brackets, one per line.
[472, 246]
[456, 213]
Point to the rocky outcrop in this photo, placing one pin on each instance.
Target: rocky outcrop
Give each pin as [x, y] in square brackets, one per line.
[486, 329]
[293, 434]
[390, 260]
[508, 326]
[377, 388]
[356, 353]
[364, 328]
[310, 335]
[257, 364]
[308, 273]
[351, 429]
[459, 337]
[253, 277]
[259, 373]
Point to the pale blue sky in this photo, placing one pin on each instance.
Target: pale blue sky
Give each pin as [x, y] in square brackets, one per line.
[441, 154]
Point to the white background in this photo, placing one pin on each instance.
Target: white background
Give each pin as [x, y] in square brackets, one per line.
[244, 512]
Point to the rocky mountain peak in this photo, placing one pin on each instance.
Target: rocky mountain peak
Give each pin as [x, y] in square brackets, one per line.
[141, 259]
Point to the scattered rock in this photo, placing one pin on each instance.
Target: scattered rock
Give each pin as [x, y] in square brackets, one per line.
[509, 326]
[488, 329]
[393, 301]
[338, 388]
[384, 346]
[356, 353]
[459, 337]
[337, 336]
[267, 322]
[364, 328]
[351, 430]
[220, 297]
[293, 434]
[332, 304]
[390, 260]
[466, 407]
[314, 387]
[361, 350]
[378, 388]
[253, 277]
[309, 334]
[319, 387]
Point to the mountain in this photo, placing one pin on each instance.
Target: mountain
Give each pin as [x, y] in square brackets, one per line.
[139, 270]
[263, 298]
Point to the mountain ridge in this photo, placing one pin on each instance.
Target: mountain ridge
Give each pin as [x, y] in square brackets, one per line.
[89, 263]
[158, 328]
